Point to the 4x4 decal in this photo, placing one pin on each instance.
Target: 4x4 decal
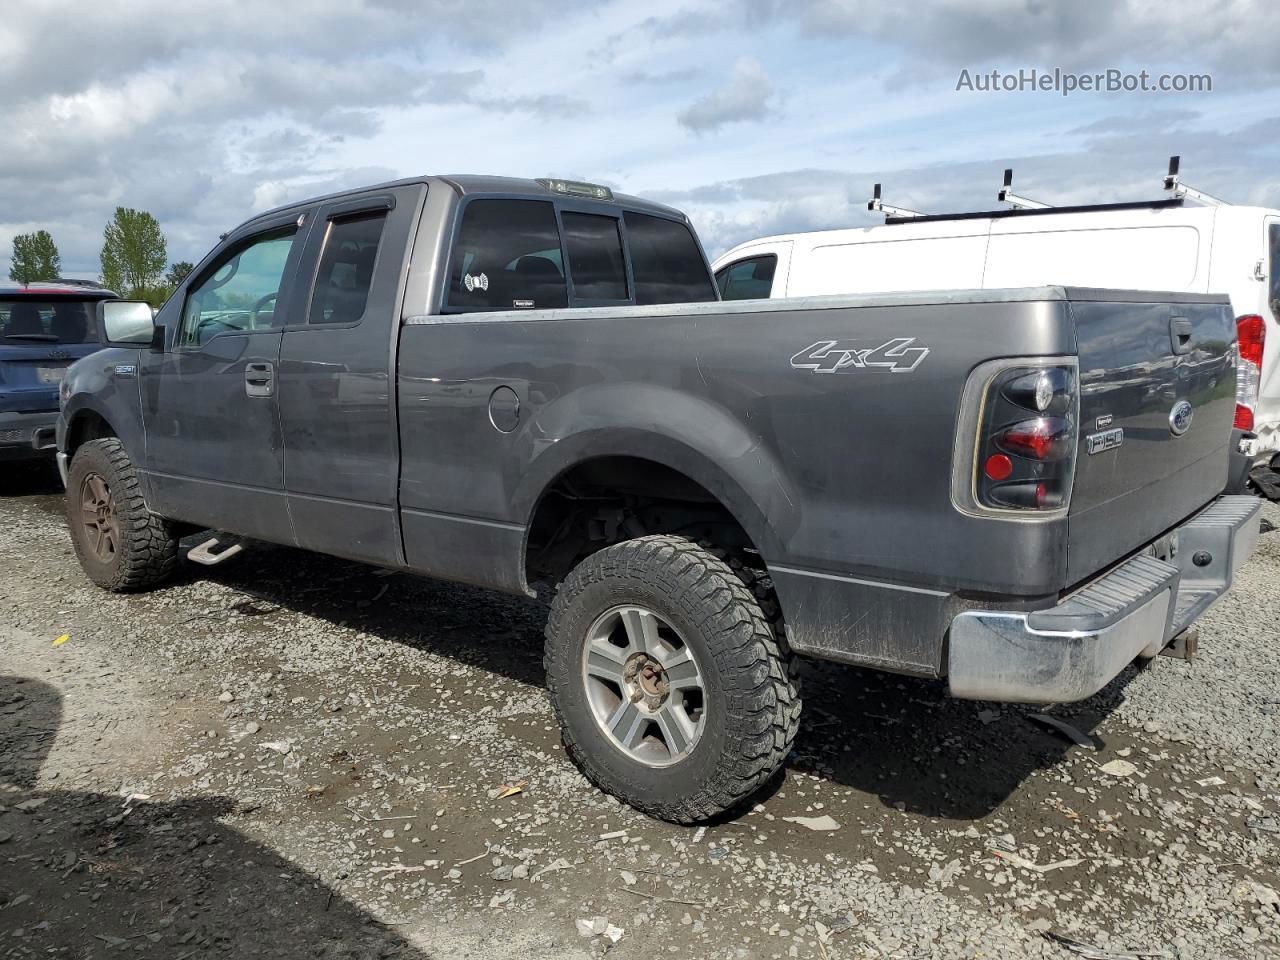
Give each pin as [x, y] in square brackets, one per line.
[838, 356]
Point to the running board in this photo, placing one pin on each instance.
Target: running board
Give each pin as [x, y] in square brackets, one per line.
[208, 553]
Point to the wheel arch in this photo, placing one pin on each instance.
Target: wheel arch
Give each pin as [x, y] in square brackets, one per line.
[725, 473]
[83, 425]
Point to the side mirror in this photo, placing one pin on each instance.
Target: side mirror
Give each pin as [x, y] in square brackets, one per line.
[127, 322]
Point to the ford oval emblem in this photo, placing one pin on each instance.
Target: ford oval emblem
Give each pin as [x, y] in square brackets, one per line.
[1180, 418]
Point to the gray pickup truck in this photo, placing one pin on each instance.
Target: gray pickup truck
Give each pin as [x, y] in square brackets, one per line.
[532, 386]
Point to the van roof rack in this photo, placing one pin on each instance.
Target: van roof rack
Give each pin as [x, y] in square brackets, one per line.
[1181, 190]
[1020, 206]
[1040, 211]
[1015, 202]
[876, 205]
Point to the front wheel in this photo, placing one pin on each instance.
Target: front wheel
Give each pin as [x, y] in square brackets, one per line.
[121, 545]
[672, 690]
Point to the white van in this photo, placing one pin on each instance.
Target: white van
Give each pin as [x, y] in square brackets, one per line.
[1160, 245]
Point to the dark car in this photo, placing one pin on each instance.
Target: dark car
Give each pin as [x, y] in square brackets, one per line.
[44, 328]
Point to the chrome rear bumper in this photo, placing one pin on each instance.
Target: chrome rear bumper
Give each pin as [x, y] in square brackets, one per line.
[1072, 650]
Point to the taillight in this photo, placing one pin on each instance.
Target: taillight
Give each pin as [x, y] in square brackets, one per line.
[1251, 332]
[1045, 438]
[1021, 420]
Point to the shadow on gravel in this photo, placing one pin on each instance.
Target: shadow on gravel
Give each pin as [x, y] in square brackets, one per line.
[482, 628]
[905, 741]
[899, 739]
[90, 875]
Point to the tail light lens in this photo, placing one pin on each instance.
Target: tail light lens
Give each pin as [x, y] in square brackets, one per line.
[1021, 419]
[1251, 332]
[1045, 438]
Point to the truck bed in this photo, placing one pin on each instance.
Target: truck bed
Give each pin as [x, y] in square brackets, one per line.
[836, 476]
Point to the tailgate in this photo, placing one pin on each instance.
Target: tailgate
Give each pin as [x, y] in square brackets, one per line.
[1157, 400]
[30, 374]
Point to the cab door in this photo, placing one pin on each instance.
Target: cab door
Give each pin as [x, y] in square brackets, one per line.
[336, 383]
[214, 452]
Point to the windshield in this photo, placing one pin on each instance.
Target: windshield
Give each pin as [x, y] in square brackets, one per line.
[29, 320]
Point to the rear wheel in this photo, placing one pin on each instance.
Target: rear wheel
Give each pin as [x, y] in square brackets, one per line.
[121, 545]
[672, 689]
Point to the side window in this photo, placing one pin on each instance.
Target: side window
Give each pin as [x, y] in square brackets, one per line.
[595, 257]
[346, 266]
[665, 262]
[507, 257]
[750, 279]
[1273, 296]
[240, 292]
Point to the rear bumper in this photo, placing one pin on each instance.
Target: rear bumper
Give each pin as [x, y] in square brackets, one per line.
[24, 435]
[1072, 650]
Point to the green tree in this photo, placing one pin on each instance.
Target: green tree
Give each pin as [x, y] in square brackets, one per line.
[177, 273]
[133, 254]
[35, 257]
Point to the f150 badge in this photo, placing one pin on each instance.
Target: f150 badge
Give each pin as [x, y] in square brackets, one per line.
[839, 356]
[1104, 440]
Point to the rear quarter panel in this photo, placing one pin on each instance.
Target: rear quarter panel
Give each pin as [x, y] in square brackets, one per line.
[844, 474]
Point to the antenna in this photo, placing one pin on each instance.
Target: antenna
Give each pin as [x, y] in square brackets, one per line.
[1006, 195]
[875, 204]
[1181, 190]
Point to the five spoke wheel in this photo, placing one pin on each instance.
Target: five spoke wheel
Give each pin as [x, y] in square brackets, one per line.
[98, 514]
[643, 685]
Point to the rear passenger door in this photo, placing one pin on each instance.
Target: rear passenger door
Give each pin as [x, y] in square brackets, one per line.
[336, 388]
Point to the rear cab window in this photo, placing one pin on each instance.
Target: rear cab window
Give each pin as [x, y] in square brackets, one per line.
[596, 265]
[529, 254]
[507, 257]
[666, 261]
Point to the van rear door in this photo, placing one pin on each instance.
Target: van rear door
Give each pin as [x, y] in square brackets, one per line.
[1157, 400]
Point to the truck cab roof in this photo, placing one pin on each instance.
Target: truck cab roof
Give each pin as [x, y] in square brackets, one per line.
[472, 185]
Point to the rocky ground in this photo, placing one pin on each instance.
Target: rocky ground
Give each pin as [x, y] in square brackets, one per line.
[293, 756]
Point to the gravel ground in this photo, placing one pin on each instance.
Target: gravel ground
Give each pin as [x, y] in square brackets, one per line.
[294, 756]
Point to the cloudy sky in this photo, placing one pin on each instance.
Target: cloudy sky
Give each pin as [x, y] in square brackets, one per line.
[756, 117]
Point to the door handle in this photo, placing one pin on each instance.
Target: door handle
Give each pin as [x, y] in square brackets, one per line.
[259, 380]
[1180, 335]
